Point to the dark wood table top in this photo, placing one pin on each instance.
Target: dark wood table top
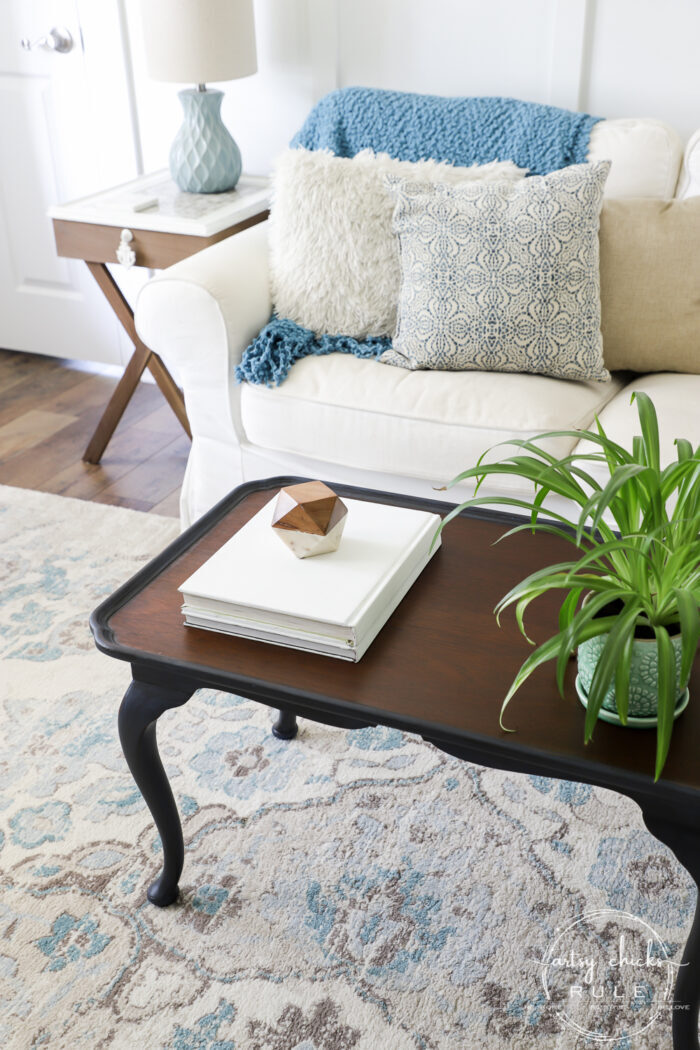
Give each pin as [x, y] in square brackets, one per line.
[440, 667]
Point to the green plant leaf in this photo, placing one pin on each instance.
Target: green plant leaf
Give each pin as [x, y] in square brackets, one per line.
[547, 651]
[540, 526]
[611, 458]
[622, 678]
[650, 428]
[571, 636]
[599, 502]
[520, 610]
[651, 563]
[494, 501]
[531, 445]
[686, 510]
[685, 449]
[532, 470]
[561, 581]
[568, 607]
[689, 618]
[599, 552]
[559, 572]
[607, 662]
[667, 697]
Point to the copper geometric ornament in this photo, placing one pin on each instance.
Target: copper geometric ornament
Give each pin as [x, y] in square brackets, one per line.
[309, 518]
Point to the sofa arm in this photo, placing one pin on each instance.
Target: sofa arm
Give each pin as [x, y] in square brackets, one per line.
[222, 291]
[199, 315]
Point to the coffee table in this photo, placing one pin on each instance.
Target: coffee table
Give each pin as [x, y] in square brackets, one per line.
[439, 668]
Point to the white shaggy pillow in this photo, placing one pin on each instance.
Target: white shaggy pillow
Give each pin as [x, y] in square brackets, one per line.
[334, 258]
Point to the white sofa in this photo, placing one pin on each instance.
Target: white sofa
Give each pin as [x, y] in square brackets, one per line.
[357, 421]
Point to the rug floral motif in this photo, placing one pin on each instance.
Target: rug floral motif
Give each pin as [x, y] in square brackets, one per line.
[342, 891]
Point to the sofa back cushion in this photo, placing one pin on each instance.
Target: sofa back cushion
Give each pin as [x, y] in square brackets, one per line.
[650, 284]
[646, 157]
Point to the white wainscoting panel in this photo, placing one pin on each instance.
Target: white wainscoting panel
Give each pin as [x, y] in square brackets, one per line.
[644, 61]
[571, 31]
[447, 47]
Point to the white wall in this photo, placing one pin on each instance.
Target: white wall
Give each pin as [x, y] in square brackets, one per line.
[644, 61]
[610, 57]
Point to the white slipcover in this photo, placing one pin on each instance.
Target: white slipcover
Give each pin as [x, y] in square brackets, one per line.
[428, 425]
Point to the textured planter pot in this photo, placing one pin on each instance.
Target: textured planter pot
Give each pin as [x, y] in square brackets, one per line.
[644, 674]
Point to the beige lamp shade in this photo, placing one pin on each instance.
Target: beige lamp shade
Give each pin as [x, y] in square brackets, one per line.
[195, 41]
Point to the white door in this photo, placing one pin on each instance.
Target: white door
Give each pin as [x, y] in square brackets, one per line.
[65, 128]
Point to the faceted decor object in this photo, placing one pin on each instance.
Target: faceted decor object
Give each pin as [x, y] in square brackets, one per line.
[204, 157]
[309, 518]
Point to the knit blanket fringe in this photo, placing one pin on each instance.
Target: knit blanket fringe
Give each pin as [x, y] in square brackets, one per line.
[283, 342]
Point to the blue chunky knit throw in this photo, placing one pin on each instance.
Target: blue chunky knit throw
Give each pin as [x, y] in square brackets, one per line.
[461, 131]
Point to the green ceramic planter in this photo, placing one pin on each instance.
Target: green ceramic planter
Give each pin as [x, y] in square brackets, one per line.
[644, 674]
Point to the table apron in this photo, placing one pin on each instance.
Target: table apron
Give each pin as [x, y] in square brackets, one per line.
[661, 801]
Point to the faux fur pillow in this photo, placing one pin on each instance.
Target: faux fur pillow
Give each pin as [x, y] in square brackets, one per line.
[333, 253]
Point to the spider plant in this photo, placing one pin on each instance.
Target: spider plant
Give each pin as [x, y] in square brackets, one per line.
[646, 563]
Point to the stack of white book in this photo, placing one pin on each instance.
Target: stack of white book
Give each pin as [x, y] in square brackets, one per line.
[333, 604]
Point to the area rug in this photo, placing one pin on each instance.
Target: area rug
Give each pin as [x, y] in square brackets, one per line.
[344, 891]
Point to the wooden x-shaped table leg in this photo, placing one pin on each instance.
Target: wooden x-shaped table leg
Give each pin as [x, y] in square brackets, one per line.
[141, 359]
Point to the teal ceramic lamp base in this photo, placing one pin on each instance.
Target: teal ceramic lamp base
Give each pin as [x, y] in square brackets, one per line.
[204, 157]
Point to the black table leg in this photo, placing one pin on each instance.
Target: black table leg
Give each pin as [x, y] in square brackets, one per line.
[140, 709]
[686, 846]
[285, 728]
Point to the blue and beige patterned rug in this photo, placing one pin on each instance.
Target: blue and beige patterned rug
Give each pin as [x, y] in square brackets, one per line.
[345, 891]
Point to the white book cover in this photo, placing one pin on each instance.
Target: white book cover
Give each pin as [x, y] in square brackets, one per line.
[254, 575]
[312, 642]
[235, 615]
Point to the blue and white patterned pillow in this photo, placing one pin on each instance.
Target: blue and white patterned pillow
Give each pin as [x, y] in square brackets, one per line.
[501, 276]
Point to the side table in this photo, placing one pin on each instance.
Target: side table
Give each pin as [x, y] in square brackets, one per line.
[148, 222]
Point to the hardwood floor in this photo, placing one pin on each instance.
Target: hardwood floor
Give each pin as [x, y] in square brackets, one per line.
[48, 411]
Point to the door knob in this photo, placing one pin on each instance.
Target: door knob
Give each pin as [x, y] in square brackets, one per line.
[57, 39]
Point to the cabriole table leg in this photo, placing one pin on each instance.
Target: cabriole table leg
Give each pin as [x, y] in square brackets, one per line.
[285, 726]
[141, 707]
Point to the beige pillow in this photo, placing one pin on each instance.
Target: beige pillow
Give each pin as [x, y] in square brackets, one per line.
[650, 284]
[334, 260]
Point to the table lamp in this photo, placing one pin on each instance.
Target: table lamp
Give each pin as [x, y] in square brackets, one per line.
[197, 41]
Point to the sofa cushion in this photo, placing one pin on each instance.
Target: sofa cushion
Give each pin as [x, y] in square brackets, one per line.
[429, 425]
[501, 276]
[650, 284]
[676, 399]
[334, 264]
[646, 157]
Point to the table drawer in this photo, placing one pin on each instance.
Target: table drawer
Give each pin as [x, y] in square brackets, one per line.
[94, 243]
